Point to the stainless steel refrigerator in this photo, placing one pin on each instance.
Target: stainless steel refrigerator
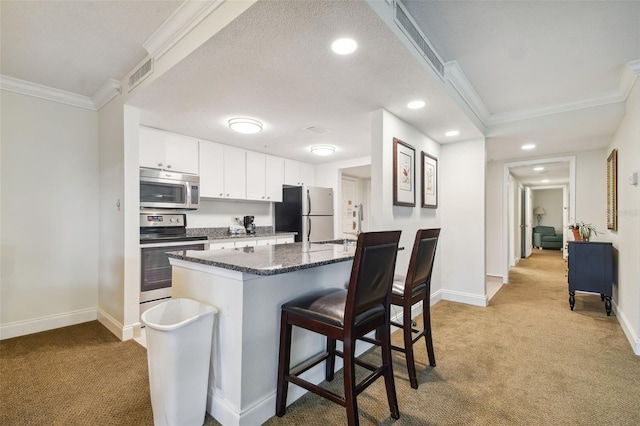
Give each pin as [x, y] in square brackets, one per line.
[307, 210]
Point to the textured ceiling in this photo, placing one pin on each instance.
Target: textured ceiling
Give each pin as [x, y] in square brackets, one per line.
[76, 46]
[274, 63]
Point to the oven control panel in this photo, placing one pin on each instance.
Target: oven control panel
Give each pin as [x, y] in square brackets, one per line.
[164, 220]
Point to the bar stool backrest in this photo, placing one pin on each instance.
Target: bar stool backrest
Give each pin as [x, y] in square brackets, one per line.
[372, 272]
[422, 256]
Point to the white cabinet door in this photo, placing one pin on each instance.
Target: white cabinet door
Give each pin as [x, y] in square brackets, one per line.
[307, 174]
[268, 242]
[151, 148]
[181, 153]
[255, 176]
[235, 179]
[168, 151]
[292, 172]
[211, 170]
[246, 243]
[284, 240]
[274, 178]
[222, 245]
[298, 174]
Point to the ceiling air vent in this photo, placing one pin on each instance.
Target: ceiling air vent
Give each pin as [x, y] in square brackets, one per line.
[316, 129]
[409, 27]
[140, 74]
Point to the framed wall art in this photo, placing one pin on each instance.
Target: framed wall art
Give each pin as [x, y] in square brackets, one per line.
[404, 182]
[612, 190]
[429, 181]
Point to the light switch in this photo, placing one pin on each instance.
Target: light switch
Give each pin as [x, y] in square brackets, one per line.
[633, 179]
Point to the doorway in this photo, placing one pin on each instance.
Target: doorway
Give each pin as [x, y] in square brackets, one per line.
[355, 193]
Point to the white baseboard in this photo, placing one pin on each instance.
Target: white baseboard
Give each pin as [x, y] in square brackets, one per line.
[467, 298]
[628, 330]
[116, 327]
[22, 328]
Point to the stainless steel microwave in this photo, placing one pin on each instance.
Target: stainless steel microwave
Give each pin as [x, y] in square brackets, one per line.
[160, 189]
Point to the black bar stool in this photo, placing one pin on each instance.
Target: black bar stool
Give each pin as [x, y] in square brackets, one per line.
[346, 315]
[416, 287]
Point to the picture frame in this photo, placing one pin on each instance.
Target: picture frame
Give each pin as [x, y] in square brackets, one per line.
[612, 190]
[404, 181]
[429, 179]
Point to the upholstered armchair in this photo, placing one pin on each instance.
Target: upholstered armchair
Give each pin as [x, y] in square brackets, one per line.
[546, 237]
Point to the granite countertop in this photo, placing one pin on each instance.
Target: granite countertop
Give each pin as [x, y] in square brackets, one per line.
[223, 233]
[269, 260]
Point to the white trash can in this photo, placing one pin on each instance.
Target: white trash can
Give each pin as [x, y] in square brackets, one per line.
[179, 334]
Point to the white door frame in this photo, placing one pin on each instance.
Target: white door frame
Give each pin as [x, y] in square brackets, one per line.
[505, 201]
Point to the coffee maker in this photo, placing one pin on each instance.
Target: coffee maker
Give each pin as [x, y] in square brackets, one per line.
[249, 225]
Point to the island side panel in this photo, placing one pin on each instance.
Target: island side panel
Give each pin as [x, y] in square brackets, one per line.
[263, 297]
[221, 288]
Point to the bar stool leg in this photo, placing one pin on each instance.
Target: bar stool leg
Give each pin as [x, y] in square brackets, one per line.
[387, 360]
[408, 346]
[331, 360]
[426, 323]
[350, 382]
[283, 365]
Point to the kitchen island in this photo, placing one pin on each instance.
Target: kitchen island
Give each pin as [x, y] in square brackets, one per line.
[248, 286]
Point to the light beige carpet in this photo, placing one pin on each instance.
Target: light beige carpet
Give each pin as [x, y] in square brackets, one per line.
[527, 359]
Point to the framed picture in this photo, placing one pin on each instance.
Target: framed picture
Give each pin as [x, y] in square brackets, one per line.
[429, 181]
[612, 190]
[404, 181]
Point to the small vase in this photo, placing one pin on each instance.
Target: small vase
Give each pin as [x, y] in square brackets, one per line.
[576, 234]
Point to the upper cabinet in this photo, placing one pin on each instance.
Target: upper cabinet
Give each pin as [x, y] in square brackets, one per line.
[222, 171]
[168, 151]
[298, 174]
[265, 176]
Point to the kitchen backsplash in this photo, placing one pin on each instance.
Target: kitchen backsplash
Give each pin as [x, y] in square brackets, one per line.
[214, 213]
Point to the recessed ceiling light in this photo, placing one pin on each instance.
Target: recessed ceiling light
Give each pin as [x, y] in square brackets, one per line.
[452, 133]
[528, 146]
[323, 149]
[538, 169]
[344, 46]
[415, 104]
[247, 126]
[545, 180]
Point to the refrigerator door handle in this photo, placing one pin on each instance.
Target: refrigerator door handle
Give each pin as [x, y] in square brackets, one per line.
[308, 228]
[308, 203]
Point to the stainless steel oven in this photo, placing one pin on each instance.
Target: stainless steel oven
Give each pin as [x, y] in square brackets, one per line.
[161, 233]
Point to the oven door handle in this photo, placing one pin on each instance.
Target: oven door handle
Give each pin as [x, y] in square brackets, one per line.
[175, 244]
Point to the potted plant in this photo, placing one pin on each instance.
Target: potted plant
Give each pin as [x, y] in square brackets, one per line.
[583, 231]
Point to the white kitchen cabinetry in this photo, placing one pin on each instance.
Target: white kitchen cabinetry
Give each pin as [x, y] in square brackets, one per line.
[284, 240]
[246, 243]
[168, 151]
[268, 242]
[222, 171]
[298, 174]
[265, 177]
[222, 245]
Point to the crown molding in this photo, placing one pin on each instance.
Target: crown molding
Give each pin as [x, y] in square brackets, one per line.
[109, 90]
[179, 24]
[629, 74]
[39, 91]
[457, 78]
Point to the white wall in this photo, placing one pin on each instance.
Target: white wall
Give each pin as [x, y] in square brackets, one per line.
[551, 201]
[49, 213]
[462, 182]
[591, 189]
[627, 238]
[493, 218]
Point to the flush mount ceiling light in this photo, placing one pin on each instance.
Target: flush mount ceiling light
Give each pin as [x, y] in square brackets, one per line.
[452, 133]
[538, 169]
[528, 146]
[344, 46]
[545, 180]
[323, 149]
[248, 126]
[415, 104]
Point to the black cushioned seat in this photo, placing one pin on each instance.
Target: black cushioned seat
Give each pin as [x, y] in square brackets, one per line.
[346, 315]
